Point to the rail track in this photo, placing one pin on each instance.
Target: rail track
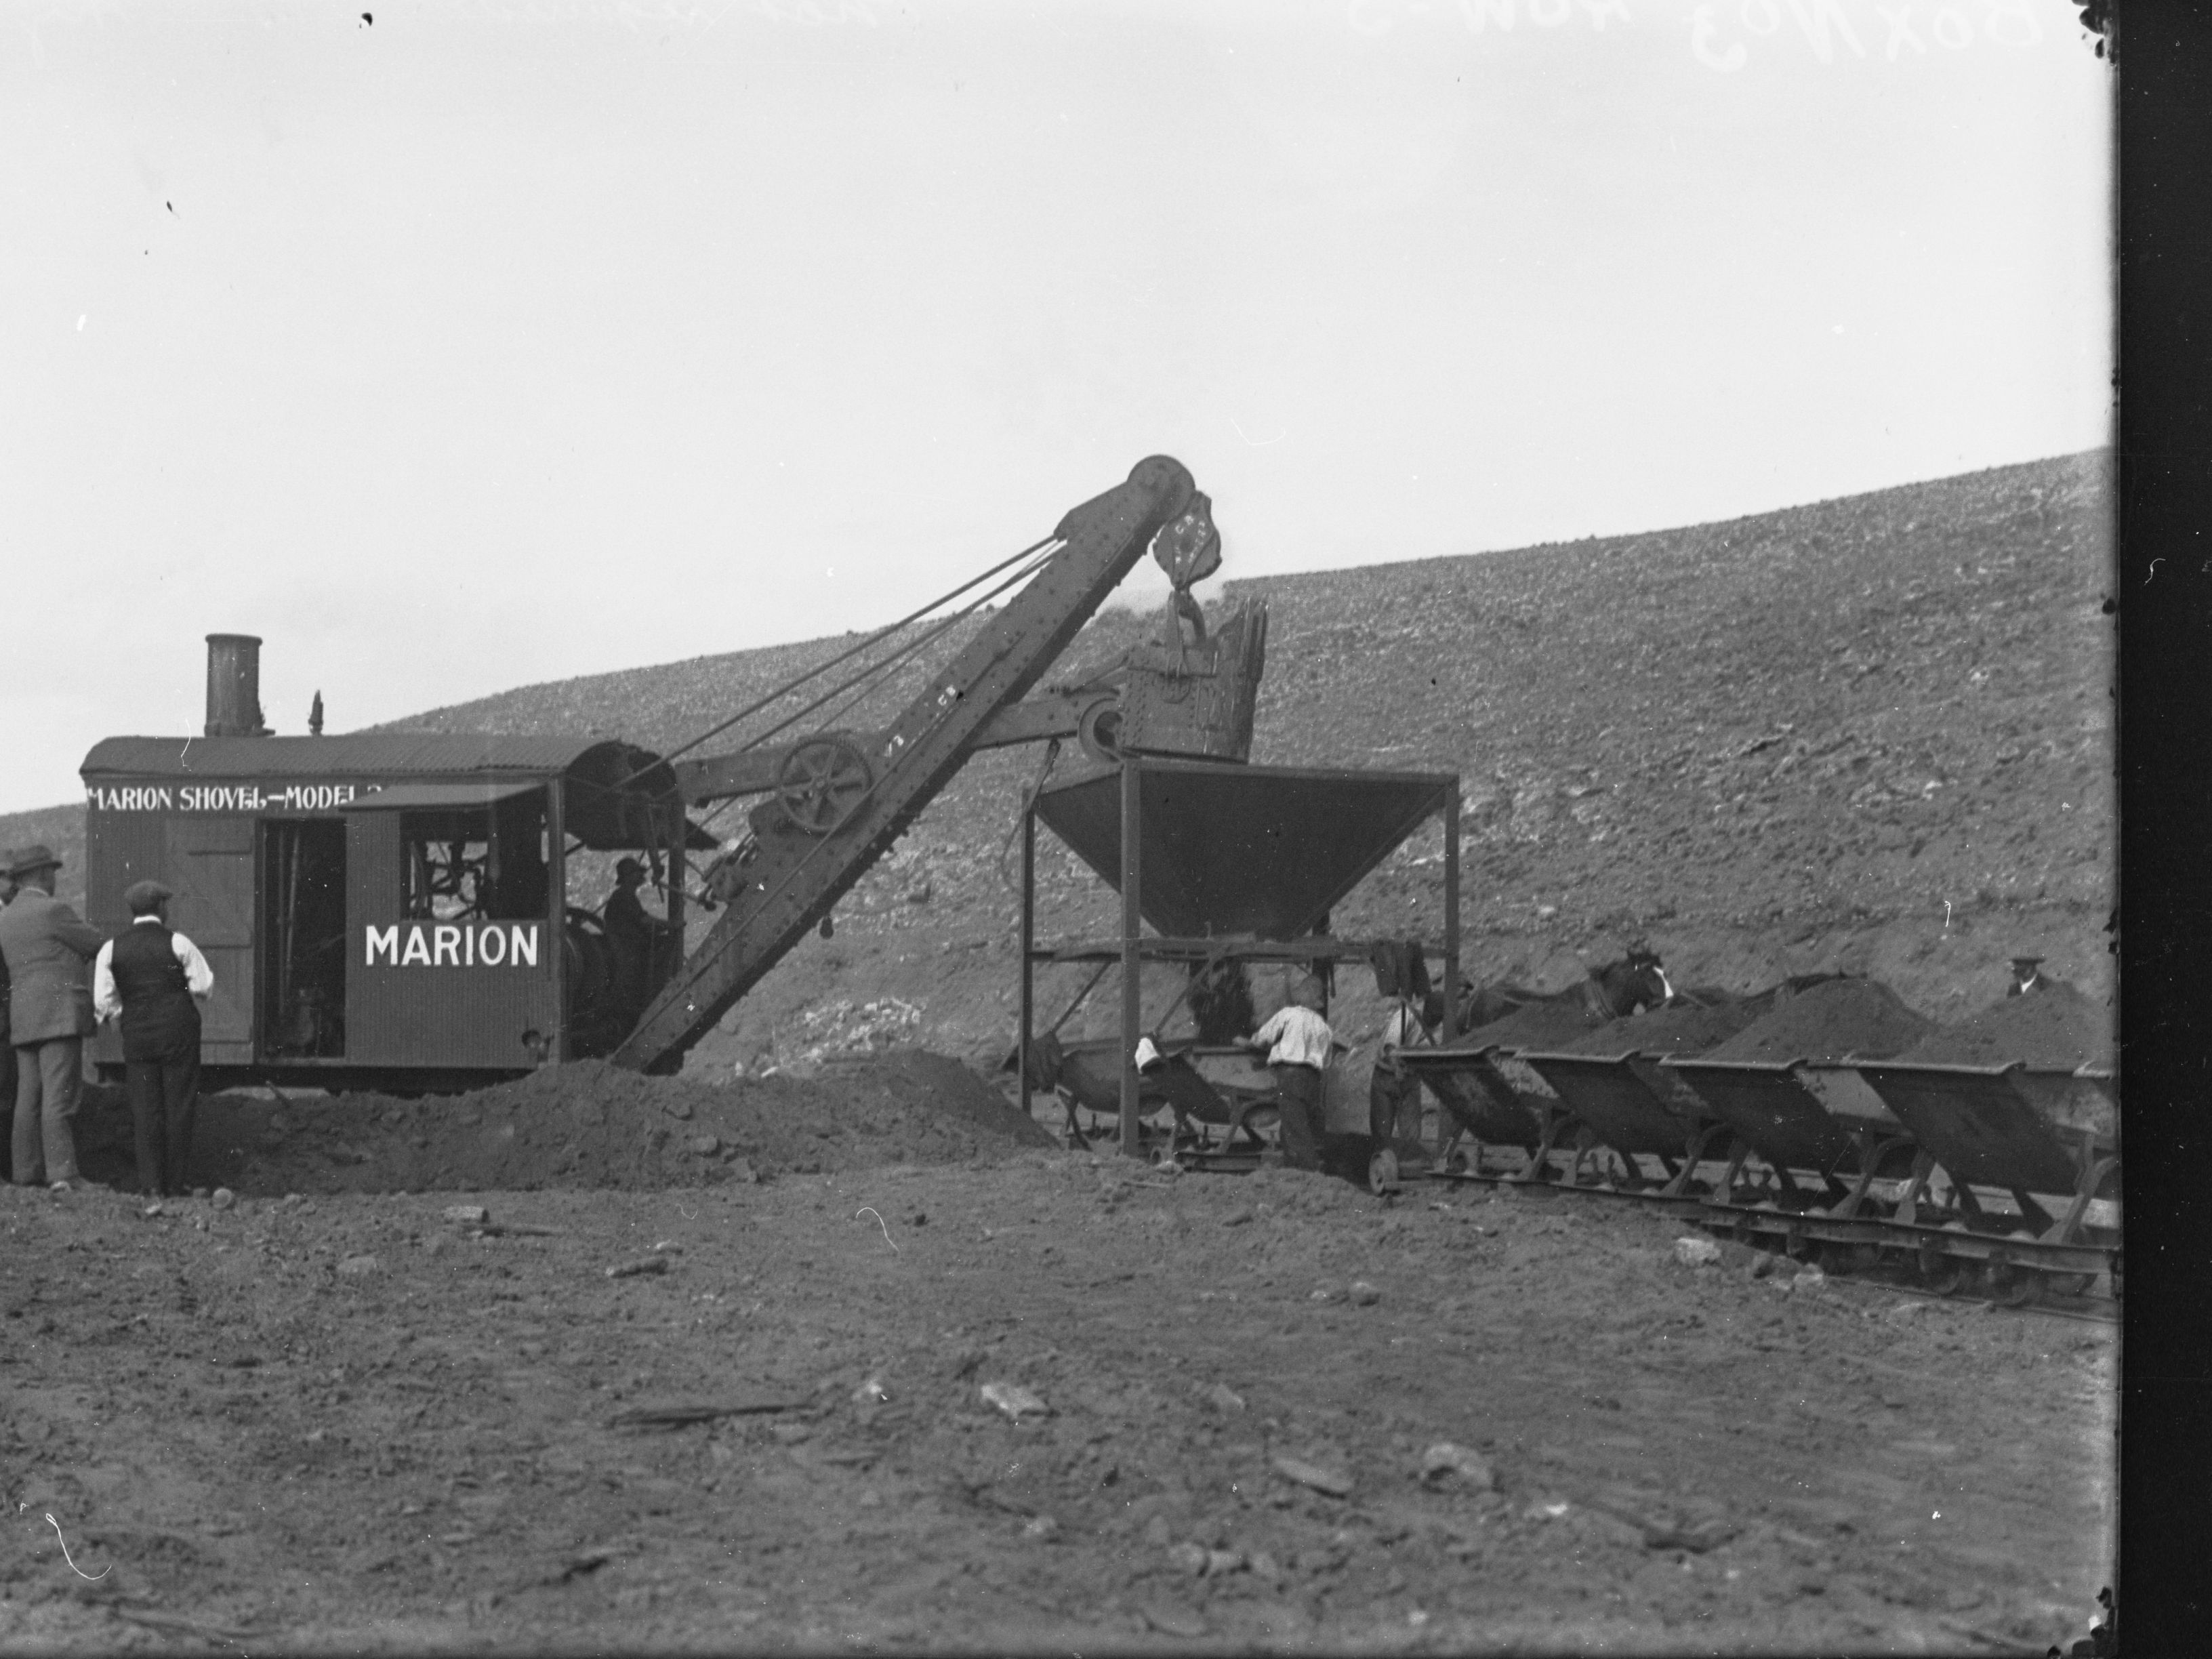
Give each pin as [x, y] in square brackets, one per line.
[1997, 1184]
[1889, 1254]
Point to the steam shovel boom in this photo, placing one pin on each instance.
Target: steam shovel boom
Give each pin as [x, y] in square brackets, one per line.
[865, 799]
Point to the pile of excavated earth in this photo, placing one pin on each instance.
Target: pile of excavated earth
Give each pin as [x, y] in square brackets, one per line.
[591, 1125]
[2053, 1025]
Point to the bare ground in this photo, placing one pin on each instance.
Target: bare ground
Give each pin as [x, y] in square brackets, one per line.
[342, 1422]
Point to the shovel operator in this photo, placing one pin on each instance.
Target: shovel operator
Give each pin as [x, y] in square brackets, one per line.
[634, 934]
[1298, 1041]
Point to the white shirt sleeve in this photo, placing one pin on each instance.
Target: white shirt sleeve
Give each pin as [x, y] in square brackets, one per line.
[104, 1003]
[200, 978]
[1299, 1035]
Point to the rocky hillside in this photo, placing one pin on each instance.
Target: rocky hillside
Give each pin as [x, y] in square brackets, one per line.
[1873, 732]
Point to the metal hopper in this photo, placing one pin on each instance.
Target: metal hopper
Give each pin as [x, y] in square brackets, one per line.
[1227, 863]
[1230, 849]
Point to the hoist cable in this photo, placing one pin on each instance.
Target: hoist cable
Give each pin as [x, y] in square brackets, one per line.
[798, 680]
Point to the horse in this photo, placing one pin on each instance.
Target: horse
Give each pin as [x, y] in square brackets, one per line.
[1613, 991]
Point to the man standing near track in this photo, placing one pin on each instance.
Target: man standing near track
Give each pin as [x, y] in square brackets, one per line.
[45, 946]
[156, 979]
[1298, 1041]
[1393, 1094]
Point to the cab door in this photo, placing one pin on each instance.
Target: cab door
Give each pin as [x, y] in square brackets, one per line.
[454, 962]
[211, 865]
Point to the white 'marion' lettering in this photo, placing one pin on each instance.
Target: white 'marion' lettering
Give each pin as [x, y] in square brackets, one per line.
[447, 944]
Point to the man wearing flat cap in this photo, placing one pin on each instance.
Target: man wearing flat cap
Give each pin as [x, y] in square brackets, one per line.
[46, 947]
[156, 979]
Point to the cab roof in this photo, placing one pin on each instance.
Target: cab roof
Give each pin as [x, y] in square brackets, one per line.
[617, 795]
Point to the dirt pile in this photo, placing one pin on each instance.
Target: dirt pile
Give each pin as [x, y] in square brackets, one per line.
[1826, 1022]
[1540, 1025]
[1670, 1030]
[2054, 1025]
[592, 1125]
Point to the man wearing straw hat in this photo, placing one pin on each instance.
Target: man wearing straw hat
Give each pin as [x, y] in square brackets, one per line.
[46, 947]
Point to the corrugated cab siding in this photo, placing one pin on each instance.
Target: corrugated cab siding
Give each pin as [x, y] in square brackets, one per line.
[119, 848]
[211, 865]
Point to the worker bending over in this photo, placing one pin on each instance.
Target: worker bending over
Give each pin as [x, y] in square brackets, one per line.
[1298, 1041]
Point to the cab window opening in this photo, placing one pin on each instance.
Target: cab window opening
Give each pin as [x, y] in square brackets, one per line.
[475, 864]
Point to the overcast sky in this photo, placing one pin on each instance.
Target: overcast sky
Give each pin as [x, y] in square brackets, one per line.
[497, 341]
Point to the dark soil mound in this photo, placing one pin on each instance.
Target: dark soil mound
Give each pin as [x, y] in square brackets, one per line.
[592, 1125]
[1540, 1025]
[2051, 1026]
[1827, 1021]
[1670, 1030]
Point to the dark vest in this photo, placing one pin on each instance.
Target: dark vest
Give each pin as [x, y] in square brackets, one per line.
[159, 1014]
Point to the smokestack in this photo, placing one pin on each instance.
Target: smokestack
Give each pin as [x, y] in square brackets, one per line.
[233, 686]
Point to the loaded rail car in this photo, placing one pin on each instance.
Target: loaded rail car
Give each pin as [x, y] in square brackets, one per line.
[388, 910]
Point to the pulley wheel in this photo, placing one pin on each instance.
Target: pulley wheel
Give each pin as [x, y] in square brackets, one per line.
[1098, 729]
[1188, 549]
[820, 782]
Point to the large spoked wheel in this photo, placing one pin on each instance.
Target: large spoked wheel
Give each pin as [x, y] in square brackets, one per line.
[820, 782]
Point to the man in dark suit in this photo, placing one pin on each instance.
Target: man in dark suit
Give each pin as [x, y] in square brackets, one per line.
[154, 979]
[47, 950]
